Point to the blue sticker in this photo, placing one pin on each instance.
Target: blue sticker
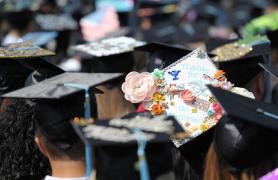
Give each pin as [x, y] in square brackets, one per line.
[175, 74]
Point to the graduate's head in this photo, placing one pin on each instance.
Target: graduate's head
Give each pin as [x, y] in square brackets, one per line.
[59, 100]
[239, 60]
[245, 140]
[55, 136]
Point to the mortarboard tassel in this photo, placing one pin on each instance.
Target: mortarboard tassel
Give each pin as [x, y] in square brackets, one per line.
[87, 107]
[267, 113]
[142, 163]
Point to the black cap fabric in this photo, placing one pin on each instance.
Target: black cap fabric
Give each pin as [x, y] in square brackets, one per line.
[270, 69]
[240, 61]
[53, 118]
[213, 43]
[120, 159]
[247, 133]
[60, 99]
[18, 60]
[162, 55]
[30, 56]
[119, 131]
[12, 76]
[55, 88]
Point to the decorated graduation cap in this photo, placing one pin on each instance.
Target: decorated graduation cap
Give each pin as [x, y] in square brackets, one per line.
[121, 130]
[112, 54]
[60, 99]
[120, 137]
[179, 90]
[18, 60]
[40, 38]
[240, 60]
[251, 131]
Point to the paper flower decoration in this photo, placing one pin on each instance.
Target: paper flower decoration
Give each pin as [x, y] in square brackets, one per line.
[187, 96]
[138, 87]
[220, 75]
[158, 74]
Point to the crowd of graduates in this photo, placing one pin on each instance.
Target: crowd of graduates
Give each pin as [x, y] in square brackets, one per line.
[87, 89]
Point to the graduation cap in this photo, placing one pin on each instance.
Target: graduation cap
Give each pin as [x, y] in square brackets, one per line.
[111, 55]
[56, 22]
[109, 47]
[213, 43]
[119, 137]
[54, 88]
[18, 60]
[250, 127]
[40, 38]
[60, 99]
[157, 128]
[240, 61]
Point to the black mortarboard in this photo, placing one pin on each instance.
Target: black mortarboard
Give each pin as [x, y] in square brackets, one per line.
[18, 60]
[60, 99]
[160, 129]
[53, 88]
[112, 55]
[213, 43]
[247, 133]
[239, 60]
[118, 139]
[270, 69]
[162, 55]
[40, 38]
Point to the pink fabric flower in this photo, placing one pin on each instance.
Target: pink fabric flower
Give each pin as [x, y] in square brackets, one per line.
[187, 96]
[138, 87]
[216, 107]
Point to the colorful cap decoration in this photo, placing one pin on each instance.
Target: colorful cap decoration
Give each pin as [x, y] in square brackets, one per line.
[180, 90]
[110, 46]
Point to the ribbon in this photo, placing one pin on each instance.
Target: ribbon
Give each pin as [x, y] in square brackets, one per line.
[87, 114]
[142, 163]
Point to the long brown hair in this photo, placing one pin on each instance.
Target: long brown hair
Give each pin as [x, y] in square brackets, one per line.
[215, 168]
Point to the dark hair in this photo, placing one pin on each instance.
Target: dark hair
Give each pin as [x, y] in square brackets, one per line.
[20, 158]
[56, 149]
[19, 20]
